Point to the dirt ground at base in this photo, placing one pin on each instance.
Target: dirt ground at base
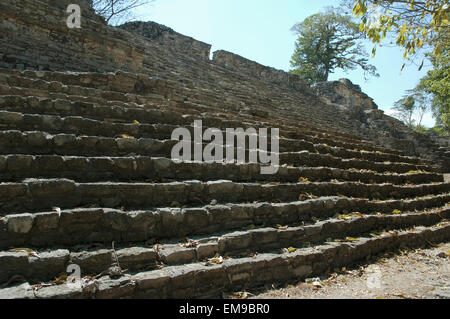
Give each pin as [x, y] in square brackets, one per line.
[414, 274]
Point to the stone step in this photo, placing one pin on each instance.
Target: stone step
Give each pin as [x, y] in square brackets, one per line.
[122, 82]
[212, 95]
[122, 113]
[56, 91]
[75, 125]
[366, 155]
[299, 105]
[115, 114]
[15, 167]
[80, 105]
[204, 280]
[78, 90]
[46, 265]
[81, 126]
[36, 194]
[150, 115]
[43, 143]
[69, 227]
[163, 131]
[129, 113]
[127, 83]
[306, 158]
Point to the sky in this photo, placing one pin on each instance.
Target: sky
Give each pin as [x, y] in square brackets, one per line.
[260, 30]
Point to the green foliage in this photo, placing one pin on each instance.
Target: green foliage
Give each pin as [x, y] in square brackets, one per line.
[416, 102]
[328, 41]
[415, 24]
[405, 108]
[432, 93]
[437, 83]
[437, 130]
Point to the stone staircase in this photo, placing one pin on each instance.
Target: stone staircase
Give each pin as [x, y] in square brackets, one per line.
[36, 37]
[86, 179]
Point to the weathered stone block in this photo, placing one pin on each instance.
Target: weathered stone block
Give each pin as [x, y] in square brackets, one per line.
[115, 288]
[38, 139]
[136, 257]
[19, 162]
[182, 276]
[196, 219]
[127, 144]
[46, 221]
[209, 281]
[13, 263]
[92, 261]
[177, 255]
[49, 264]
[65, 140]
[115, 220]
[62, 105]
[52, 122]
[150, 280]
[235, 242]
[171, 219]
[21, 223]
[264, 236]
[11, 118]
[80, 216]
[22, 291]
[55, 187]
[207, 250]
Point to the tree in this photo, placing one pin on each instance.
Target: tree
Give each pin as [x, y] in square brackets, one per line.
[423, 103]
[116, 11]
[328, 41]
[437, 83]
[415, 104]
[405, 110]
[416, 24]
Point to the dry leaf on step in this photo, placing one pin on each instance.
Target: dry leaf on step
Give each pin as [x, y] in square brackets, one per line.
[30, 252]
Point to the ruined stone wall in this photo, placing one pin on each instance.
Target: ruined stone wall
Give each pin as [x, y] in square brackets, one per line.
[34, 35]
[265, 73]
[344, 92]
[176, 42]
[444, 141]
[170, 39]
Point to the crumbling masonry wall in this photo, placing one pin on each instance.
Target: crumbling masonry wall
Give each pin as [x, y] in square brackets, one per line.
[238, 63]
[34, 35]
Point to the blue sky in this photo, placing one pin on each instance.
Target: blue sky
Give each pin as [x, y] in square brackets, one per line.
[260, 31]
